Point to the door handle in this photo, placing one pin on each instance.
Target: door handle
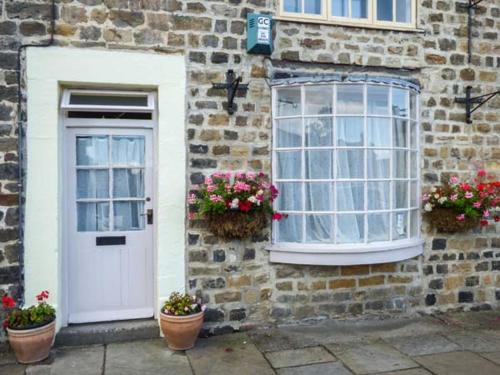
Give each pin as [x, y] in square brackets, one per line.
[149, 215]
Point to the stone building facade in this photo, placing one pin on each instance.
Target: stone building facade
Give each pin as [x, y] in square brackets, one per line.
[237, 280]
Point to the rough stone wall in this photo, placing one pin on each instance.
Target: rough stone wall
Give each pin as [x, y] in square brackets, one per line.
[236, 279]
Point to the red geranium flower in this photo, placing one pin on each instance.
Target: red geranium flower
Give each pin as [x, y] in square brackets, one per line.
[277, 216]
[245, 206]
[8, 302]
[483, 223]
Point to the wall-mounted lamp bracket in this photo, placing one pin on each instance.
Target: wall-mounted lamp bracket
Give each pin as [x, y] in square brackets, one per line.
[233, 85]
[472, 5]
[469, 102]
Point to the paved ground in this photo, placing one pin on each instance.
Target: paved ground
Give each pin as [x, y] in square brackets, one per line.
[460, 344]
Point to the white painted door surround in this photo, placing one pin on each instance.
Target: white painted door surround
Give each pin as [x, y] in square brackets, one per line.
[48, 72]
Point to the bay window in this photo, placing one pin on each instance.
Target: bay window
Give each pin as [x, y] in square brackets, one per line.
[372, 13]
[345, 160]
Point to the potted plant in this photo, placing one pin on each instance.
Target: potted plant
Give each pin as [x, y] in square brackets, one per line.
[30, 330]
[460, 206]
[234, 206]
[181, 318]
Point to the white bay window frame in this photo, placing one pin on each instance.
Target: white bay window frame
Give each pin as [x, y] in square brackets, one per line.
[326, 16]
[365, 252]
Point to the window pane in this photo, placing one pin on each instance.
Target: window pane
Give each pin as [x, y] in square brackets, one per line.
[128, 183]
[350, 196]
[319, 228]
[379, 132]
[378, 100]
[399, 102]
[400, 133]
[414, 194]
[414, 218]
[413, 105]
[289, 101]
[127, 215]
[378, 195]
[319, 132]
[379, 162]
[289, 164]
[384, 10]
[403, 11]
[350, 228]
[93, 217]
[350, 164]
[312, 6]
[290, 229]
[92, 150]
[378, 227]
[350, 131]
[350, 99]
[319, 196]
[319, 100]
[414, 165]
[400, 225]
[340, 8]
[128, 150]
[359, 8]
[400, 194]
[109, 100]
[319, 164]
[400, 167]
[290, 196]
[413, 135]
[289, 132]
[92, 183]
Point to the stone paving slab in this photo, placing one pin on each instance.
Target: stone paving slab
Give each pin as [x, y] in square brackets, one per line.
[72, 361]
[474, 341]
[371, 357]
[151, 357]
[299, 357]
[274, 339]
[413, 371]
[228, 355]
[458, 363]
[422, 345]
[12, 370]
[332, 368]
[493, 357]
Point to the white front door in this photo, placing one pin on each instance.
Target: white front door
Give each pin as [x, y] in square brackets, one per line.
[109, 224]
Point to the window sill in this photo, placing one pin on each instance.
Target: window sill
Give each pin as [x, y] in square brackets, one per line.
[409, 29]
[343, 255]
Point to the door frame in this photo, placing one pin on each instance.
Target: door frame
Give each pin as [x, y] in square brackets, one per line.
[68, 124]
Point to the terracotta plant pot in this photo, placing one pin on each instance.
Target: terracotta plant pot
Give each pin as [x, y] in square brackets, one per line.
[32, 345]
[445, 221]
[181, 332]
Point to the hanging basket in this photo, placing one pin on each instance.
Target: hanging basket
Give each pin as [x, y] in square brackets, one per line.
[236, 225]
[445, 221]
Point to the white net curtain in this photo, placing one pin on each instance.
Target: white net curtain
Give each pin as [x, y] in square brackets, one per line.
[345, 162]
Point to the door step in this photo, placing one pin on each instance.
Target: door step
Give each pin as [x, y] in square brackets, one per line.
[108, 332]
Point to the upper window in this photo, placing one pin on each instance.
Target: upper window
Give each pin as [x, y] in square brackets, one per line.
[345, 163]
[375, 13]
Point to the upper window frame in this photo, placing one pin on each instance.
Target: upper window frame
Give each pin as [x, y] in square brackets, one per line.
[326, 17]
[66, 104]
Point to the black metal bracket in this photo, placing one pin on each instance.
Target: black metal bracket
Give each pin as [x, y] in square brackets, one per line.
[233, 85]
[472, 5]
[469, 102]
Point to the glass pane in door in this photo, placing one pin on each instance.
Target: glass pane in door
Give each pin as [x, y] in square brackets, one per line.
[128, 150]
[93, 216]
[128, 183]
[91, 150]
[128, 215]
